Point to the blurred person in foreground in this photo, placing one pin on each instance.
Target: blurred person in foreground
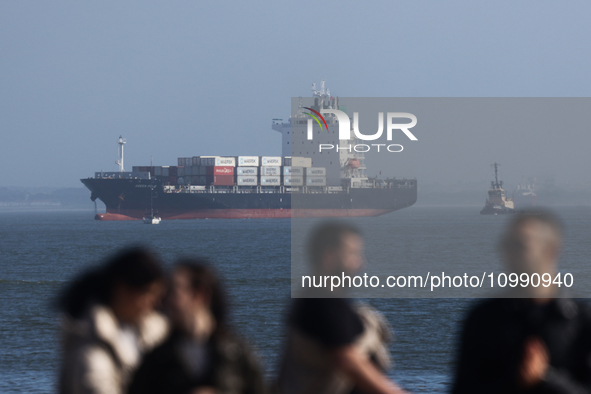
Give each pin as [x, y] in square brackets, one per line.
[537, 343]
[335, 346]
[109, 322]
[202, 355]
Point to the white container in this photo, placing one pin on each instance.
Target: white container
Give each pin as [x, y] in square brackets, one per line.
[290, 180]
[248, 161]
[271, 171]
[225, 161]
[301, 162]
[247, 180]
[316, 181]
[270, 180]
[316, 171]
[247, 171]
[288, 170]
[271, 161]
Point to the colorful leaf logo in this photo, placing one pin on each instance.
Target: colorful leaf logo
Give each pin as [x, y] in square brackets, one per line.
[315, 118]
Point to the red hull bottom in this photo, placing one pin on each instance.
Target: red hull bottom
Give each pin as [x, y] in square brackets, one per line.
[250, 214]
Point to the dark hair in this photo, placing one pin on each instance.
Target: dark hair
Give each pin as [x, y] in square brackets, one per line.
[135, 267]
[203, 278]
[327, 236]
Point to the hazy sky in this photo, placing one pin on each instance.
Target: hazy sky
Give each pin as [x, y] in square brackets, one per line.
[195, 78]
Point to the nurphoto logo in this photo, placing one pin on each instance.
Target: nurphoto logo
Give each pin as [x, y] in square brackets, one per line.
[345, 129]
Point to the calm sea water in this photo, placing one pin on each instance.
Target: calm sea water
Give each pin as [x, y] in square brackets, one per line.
[41, 251]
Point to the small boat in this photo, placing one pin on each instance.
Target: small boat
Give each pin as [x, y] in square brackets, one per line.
[151, 218]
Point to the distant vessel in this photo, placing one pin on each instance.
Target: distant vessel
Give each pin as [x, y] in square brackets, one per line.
[497, 203]
[525, 195]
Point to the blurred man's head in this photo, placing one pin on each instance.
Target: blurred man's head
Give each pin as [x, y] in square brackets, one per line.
[335, 248]
[196, 297]
[532, 243]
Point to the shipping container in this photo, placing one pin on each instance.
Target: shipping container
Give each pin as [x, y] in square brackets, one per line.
[173, 171]
[207, 160]
[291, 180]
[301, 161]
[271, 161]
[219, 170]
[172, 180]
[165, 171]
[270, 180]
[316, 181]
[288, 170]
[225, 161]
[247, 170]
[247, 180]
[287, 161]
[223, 180]
[197, 170]
[180, 171]
[252, 161]
[271, 171]
[195, 161]
[316, 171]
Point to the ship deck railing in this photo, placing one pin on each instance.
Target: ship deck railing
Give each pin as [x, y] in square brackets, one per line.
[391, 184]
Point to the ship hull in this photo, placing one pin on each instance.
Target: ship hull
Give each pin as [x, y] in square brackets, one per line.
[128, 199]
[492, 210]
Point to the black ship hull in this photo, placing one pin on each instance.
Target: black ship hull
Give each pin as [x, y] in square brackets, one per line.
[129, 199]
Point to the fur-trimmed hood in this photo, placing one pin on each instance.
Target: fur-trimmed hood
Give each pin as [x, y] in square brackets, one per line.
[98, 350]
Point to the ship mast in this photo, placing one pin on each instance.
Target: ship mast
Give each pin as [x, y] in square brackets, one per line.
[120, 161]
[497, 185]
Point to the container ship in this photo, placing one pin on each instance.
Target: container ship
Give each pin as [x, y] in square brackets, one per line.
[291, 185]
[497, 203]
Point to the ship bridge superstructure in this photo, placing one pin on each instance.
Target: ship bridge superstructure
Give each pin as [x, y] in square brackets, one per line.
[342, 163]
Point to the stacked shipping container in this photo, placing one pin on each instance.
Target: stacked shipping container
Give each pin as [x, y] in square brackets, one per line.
[242, 171]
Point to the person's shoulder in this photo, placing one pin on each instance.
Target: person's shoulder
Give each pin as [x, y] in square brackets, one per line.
[164, 353]
[491, 311]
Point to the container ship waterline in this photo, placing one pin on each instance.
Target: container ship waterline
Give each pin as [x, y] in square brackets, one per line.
[232, 187]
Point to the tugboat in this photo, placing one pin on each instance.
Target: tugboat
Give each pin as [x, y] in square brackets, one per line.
[497, 203]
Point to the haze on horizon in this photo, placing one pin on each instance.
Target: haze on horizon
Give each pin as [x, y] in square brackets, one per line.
[185, 78]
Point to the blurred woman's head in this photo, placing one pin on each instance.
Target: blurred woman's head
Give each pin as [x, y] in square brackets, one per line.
[197, 302]
[130, 283]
